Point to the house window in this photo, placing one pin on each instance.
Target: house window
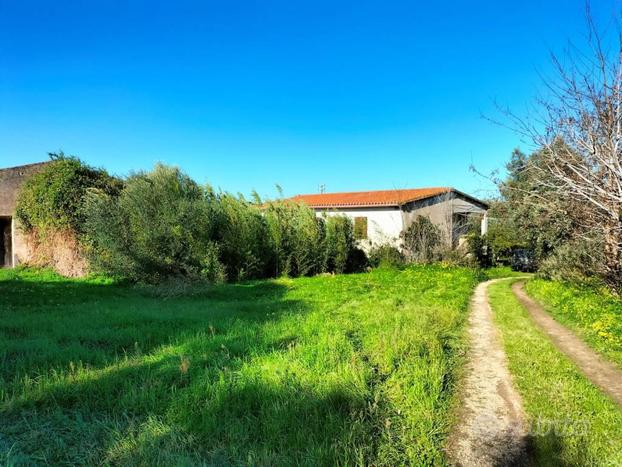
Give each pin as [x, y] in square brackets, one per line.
[360, 228]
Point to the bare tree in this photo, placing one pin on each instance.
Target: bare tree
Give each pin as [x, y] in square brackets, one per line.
[578, 125]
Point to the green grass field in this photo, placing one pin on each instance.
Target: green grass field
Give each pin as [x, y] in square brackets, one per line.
[593, 313]
[572, 422]
[330, 370]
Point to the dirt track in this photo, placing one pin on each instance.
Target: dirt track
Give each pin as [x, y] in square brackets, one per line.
[600, 372]
[491, 429]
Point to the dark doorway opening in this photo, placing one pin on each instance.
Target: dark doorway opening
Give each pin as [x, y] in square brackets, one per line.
[6, 243]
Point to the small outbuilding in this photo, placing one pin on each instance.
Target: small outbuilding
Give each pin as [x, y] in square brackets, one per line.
[13, 248]
[380, 217]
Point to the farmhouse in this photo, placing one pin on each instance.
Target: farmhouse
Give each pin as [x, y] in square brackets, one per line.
[381, 216]
[13, 247]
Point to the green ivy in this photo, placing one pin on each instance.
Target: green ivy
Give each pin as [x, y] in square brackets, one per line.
[54, 197]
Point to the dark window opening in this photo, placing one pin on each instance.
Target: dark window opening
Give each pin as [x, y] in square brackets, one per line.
[360, 228]
[6, 242]
[461, 224]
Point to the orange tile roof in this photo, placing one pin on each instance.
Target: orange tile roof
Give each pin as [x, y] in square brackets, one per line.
[369, 198]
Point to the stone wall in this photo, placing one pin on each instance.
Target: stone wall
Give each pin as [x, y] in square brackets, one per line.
[11, 181]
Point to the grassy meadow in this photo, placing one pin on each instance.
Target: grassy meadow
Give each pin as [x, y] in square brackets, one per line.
[572, 422]
[593, 313]
[326, 370]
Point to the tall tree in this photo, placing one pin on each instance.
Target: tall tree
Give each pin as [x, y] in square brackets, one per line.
[578, 125]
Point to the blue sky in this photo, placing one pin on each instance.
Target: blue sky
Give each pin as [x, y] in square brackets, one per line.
[353, 95]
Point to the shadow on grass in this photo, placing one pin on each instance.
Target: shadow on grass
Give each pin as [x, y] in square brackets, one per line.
[188, 387]
[50, 325]
[244, 422]
[29, 292]
[558, 449]
[286, 422]
[230, 421]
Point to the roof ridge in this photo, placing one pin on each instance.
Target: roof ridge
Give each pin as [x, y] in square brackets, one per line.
[447, 188]
[385, 198]
[24, 165]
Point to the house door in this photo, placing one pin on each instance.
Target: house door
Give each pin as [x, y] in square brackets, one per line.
[6, 243]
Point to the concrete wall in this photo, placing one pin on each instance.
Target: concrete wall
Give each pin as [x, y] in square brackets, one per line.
[11, 181]
[445, 211]
[384, 224]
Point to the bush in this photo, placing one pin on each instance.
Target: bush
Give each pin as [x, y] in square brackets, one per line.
[357, 261]
[54, 197]
[422, 240]
[480, 250]
[164, 226]
[575, 261]
[386, 256]
[242, 233]
[456, 257]
[296, 237]
[339, 243]
[160, 226]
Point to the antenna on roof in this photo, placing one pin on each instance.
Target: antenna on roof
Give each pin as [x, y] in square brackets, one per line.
[322, 188]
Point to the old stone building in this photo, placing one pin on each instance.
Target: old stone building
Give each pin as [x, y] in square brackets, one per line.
[13, 248]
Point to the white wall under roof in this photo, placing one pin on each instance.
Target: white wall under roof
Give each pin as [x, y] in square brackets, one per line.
[384, 224]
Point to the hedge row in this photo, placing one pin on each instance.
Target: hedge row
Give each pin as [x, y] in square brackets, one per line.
[161, 224]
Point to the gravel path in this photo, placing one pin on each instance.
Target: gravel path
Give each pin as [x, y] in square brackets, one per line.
[491, 430]
[599, 371]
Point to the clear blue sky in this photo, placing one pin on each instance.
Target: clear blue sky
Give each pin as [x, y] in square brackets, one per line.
[355, 95]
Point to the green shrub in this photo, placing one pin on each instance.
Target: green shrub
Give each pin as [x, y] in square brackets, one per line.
[339, 243]
[160, 226]
[576, 261]
[480, 250]
[357, 261]
[422, 240]
[242, 234]
[456, 257]
[296, 237]
[164, 226]
[386, 256]
[54, 197]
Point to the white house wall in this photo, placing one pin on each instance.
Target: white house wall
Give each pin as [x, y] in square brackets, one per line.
[384, 225]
